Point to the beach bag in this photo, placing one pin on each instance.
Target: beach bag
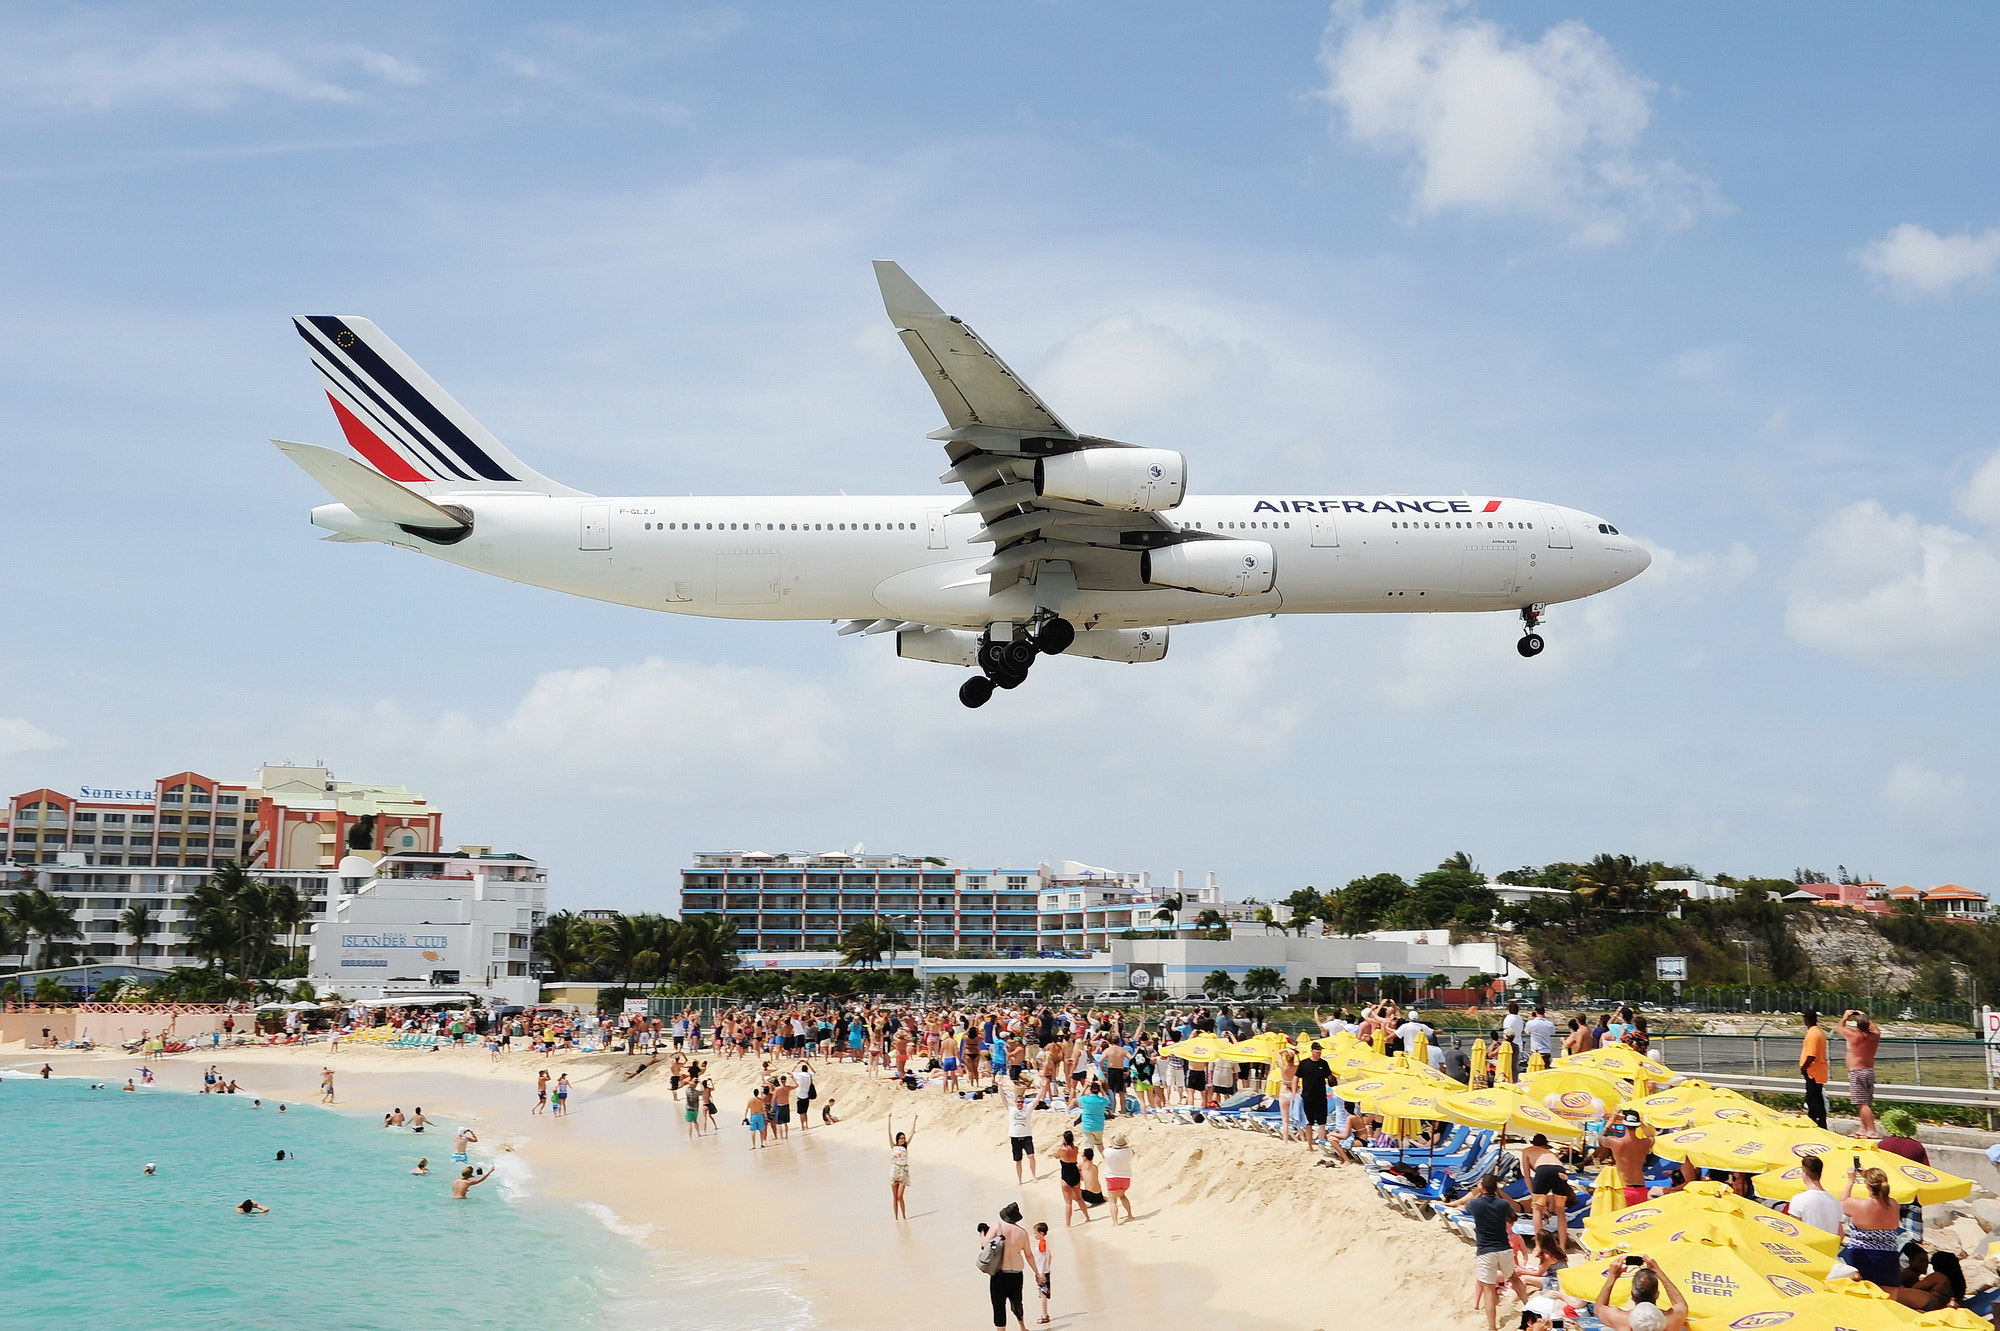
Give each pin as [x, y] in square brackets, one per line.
[991, 1255]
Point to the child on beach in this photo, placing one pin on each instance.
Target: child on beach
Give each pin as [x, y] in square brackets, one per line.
[1041, 1258]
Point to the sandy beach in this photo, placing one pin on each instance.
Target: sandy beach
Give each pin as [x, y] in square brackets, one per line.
[1228, 1223]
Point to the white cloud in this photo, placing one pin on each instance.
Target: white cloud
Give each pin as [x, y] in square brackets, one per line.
[1689, 580]
[1547, 129]
[1980, 499]
[1920, 794]
[1896, 594]
[1915, 261]
[1126, 362]
[93, 68]
[20, 736]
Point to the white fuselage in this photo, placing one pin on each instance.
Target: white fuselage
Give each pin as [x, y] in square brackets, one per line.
[906, 557]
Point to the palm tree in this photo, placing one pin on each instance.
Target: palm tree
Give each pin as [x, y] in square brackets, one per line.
[564, 941]
[1219, 984]
[13, 938]
[38, 911]
[865, 941]
[1613, 882]
[985, 983]
[1168, 909]
[634, 944]
[140, 923]
[287, 910]
[945, 988]
[709, 953]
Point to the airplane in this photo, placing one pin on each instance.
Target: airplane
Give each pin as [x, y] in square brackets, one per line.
[1066, 544]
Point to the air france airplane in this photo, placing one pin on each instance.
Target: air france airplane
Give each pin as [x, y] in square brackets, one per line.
[1066, 543]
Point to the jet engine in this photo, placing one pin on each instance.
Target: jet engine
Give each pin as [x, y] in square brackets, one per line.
[1130, 646]
[1220, 568]
[1138, 480]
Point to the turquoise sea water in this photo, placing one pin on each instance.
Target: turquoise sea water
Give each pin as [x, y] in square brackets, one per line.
[353, 1241]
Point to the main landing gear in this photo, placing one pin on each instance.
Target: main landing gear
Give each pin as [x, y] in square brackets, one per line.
[1004, 665]
[1531, 643]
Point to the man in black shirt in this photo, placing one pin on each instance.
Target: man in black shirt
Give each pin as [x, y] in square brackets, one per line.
[1493, 1252]
[1315, 1074]
[1458, 1063]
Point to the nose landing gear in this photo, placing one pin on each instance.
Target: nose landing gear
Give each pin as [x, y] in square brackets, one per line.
[1531, 643]
[1005, 665]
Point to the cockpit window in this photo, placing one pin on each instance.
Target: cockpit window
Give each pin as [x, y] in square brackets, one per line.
[1607, 529]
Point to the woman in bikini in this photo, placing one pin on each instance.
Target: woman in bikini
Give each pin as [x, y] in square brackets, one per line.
[899, 1166]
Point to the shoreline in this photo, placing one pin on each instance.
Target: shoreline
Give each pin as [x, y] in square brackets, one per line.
[1228, 1223]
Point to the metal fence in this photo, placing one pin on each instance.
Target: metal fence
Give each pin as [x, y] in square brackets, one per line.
[1910, 1062]
[1759, 999]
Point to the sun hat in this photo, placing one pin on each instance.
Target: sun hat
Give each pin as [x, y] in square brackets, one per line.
[1118, 1140]
[1011, 1213]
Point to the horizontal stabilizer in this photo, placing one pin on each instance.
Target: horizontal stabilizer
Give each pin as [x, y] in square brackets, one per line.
[366, 491]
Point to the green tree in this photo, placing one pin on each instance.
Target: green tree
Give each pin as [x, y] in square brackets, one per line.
[1613, 882]
[1014, 982]
[707, 950]
[1365, 903]
[899, 984]
[40, 912]
[565, 942]
[1437, 982]
[51, 991]
[1307, 905]
[139, 924]
[14, 940]
[945, 988]
[1054, 984]
[1454, 892]
[1264, 980]
[1169, 908]
[1219, 984]
[866, 941]
[985, 984]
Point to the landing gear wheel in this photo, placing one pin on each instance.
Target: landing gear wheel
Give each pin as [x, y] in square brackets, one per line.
[1530, 645]
[992, 657]
[1011, 679]
[1055, 637]
[975, 691]
[1017, 656]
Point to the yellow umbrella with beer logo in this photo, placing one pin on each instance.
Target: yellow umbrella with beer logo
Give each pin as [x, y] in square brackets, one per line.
[1844, 1305]
[1709, 1198]
[1718, 1279]
[1263, 1048]
[1750, 1147]
[1503, 1061]
[1619, 1061]
[1478, 1061]
[1646, 1226]
[1908, 1180]
[1506, 1107]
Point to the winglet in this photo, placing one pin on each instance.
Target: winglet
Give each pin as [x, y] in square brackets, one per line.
[903, 298]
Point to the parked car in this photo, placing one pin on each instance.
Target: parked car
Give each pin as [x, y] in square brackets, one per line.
[1117, 998]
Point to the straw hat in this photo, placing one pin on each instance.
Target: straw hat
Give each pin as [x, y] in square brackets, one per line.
[1118, 1141]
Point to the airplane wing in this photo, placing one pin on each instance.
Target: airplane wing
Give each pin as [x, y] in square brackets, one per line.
[1000, 436]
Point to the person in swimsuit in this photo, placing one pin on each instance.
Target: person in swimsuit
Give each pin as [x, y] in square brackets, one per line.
[899, 1166]
[1118, 1175]
[417, 1121]
[1548, 1187]
[466, 1181]
[754, 1116]
[1874, 1228]
[1072, 1177]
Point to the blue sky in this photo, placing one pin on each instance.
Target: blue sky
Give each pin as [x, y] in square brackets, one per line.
[1731, 284]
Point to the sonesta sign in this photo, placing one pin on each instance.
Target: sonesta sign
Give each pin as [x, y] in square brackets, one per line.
[1374, 506]
[126, 796]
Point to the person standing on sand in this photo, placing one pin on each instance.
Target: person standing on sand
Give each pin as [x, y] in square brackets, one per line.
[1021, 1133]
[899, 1167]
[691, 1108]
[541, 1091]
[1493, 1249]
[1315, 1074]
[1118, 1175]
[1067, 1156]
[753, 1117]
[561, 1095]
[326, 1086]
[1862, 1040]
[1042, 1262]
[1004, 1286]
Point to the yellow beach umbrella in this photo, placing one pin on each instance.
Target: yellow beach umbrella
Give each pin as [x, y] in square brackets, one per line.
[1420, 1049]
[1748, 1146]
[1581, 1097]
[1503, 1061]
[1536, 1062]
[1503, 1107]
[1718, 1279]
[1365, 1091]
[1263, 1048]
[1478, 1060]
[1648, 1225]
[1708, 1196]
[1844, 1305]
[1607, 1194]
[1952, 1319]
[1358, 1061]
[1908, 1180]
[1668, 1108]
[1620, 1062]
[1202, 1048]
[1379, 1041]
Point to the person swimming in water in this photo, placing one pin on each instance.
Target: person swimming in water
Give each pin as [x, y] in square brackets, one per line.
[423, 1166]
[249, 1206]
[467, 1180]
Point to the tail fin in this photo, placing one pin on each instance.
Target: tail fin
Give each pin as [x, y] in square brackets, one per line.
[398, 418]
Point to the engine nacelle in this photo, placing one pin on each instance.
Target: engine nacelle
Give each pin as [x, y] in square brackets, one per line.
[1137, 480]
[1220, 568]
[1130, 646]
[945, 646]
